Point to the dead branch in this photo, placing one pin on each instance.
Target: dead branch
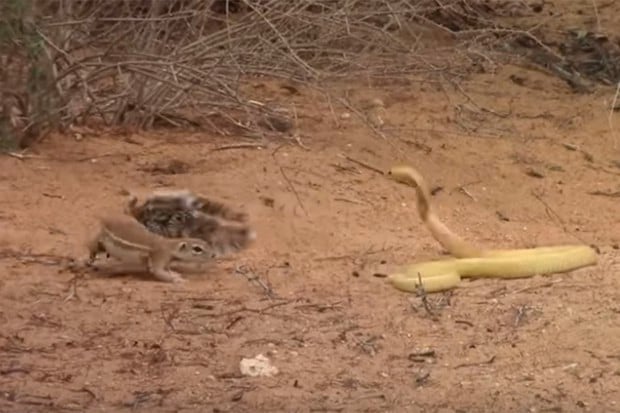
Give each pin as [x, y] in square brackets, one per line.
[182, 62]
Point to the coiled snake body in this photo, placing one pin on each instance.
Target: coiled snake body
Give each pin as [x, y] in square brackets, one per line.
[472, 261]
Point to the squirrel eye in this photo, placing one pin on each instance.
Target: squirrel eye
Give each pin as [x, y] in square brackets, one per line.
[197, 249]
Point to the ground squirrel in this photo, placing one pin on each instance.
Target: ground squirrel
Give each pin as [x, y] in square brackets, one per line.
[181, 213]
[126, 240]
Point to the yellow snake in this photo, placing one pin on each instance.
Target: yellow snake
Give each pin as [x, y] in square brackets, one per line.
[472, 261]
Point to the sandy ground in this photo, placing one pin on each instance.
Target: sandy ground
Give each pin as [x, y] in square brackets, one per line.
[513, 165]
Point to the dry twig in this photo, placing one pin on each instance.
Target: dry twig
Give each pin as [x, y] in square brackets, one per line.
[182, 64]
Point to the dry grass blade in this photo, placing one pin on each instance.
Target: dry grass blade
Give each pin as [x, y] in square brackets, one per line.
[180, 63]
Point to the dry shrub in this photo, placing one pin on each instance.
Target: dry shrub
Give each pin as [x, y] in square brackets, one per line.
[178, 63]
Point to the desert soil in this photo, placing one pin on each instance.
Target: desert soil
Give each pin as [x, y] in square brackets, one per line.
[512, 164]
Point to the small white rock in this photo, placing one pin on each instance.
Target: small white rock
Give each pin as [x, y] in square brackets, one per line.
[257, 366]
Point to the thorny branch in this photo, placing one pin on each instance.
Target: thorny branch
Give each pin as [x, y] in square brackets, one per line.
[183, 63]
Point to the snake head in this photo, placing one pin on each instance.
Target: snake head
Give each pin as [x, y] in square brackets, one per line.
[405, 175]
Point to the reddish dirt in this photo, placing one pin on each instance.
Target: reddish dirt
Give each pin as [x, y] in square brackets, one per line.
[342, 339]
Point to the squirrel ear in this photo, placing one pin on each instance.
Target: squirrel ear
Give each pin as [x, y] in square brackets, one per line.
[132, 202]
[182, 246]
